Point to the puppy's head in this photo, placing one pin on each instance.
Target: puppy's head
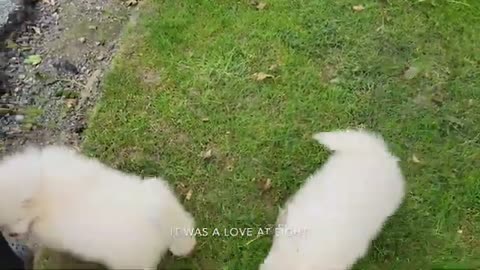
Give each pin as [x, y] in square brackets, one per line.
[20, 176]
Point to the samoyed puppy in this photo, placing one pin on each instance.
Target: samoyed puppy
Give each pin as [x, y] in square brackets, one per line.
[68, 202]
[330, 222]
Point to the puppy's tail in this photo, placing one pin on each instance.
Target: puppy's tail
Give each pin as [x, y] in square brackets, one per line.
[352, 141]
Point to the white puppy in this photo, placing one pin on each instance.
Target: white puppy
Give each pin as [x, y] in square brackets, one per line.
[70, 203]
[330, 222]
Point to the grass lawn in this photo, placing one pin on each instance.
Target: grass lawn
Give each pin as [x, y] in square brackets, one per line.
[183, 85]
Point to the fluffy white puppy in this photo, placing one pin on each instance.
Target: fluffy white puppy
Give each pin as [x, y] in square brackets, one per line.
[330, 222]
[70, 203]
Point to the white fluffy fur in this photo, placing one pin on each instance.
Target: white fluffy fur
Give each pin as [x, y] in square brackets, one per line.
[68, 202]
[342, 207]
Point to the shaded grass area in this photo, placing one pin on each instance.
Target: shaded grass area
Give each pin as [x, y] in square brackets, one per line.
[182, 85]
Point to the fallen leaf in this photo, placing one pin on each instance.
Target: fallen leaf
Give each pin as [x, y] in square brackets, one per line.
[273, 67]
[358, 8]
[261, 5]
[207, 154]
[267, 184]
[33, 60]
[411, 73]
[71, 103]
[415, 159]
[189, 195]
[10, 44]
[335, 81]
[260, 76]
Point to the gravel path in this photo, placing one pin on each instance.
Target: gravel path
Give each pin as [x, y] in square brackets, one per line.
[51, 67]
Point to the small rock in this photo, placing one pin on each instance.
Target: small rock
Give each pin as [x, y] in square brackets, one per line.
[65, 65]
[19, 118]
[79, 128]
[92, 27]
[82, 40]
[100, 57]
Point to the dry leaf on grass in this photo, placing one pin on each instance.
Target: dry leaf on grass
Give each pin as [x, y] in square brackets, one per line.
[267, 185]
[411, 73]
[189, 195]
[261, 5]
[207, 154]
[261, 76]
[358, 8]
[273, 67]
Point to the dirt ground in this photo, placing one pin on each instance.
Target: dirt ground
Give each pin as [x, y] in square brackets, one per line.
[51, 67]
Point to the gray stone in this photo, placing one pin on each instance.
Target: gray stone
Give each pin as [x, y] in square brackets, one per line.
[7, 7]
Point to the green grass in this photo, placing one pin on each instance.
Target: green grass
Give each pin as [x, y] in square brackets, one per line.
[182, 84]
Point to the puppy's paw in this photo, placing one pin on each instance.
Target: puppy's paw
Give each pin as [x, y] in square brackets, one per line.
[183, 246]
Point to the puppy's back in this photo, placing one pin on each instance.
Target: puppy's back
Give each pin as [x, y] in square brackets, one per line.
[343, 205]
